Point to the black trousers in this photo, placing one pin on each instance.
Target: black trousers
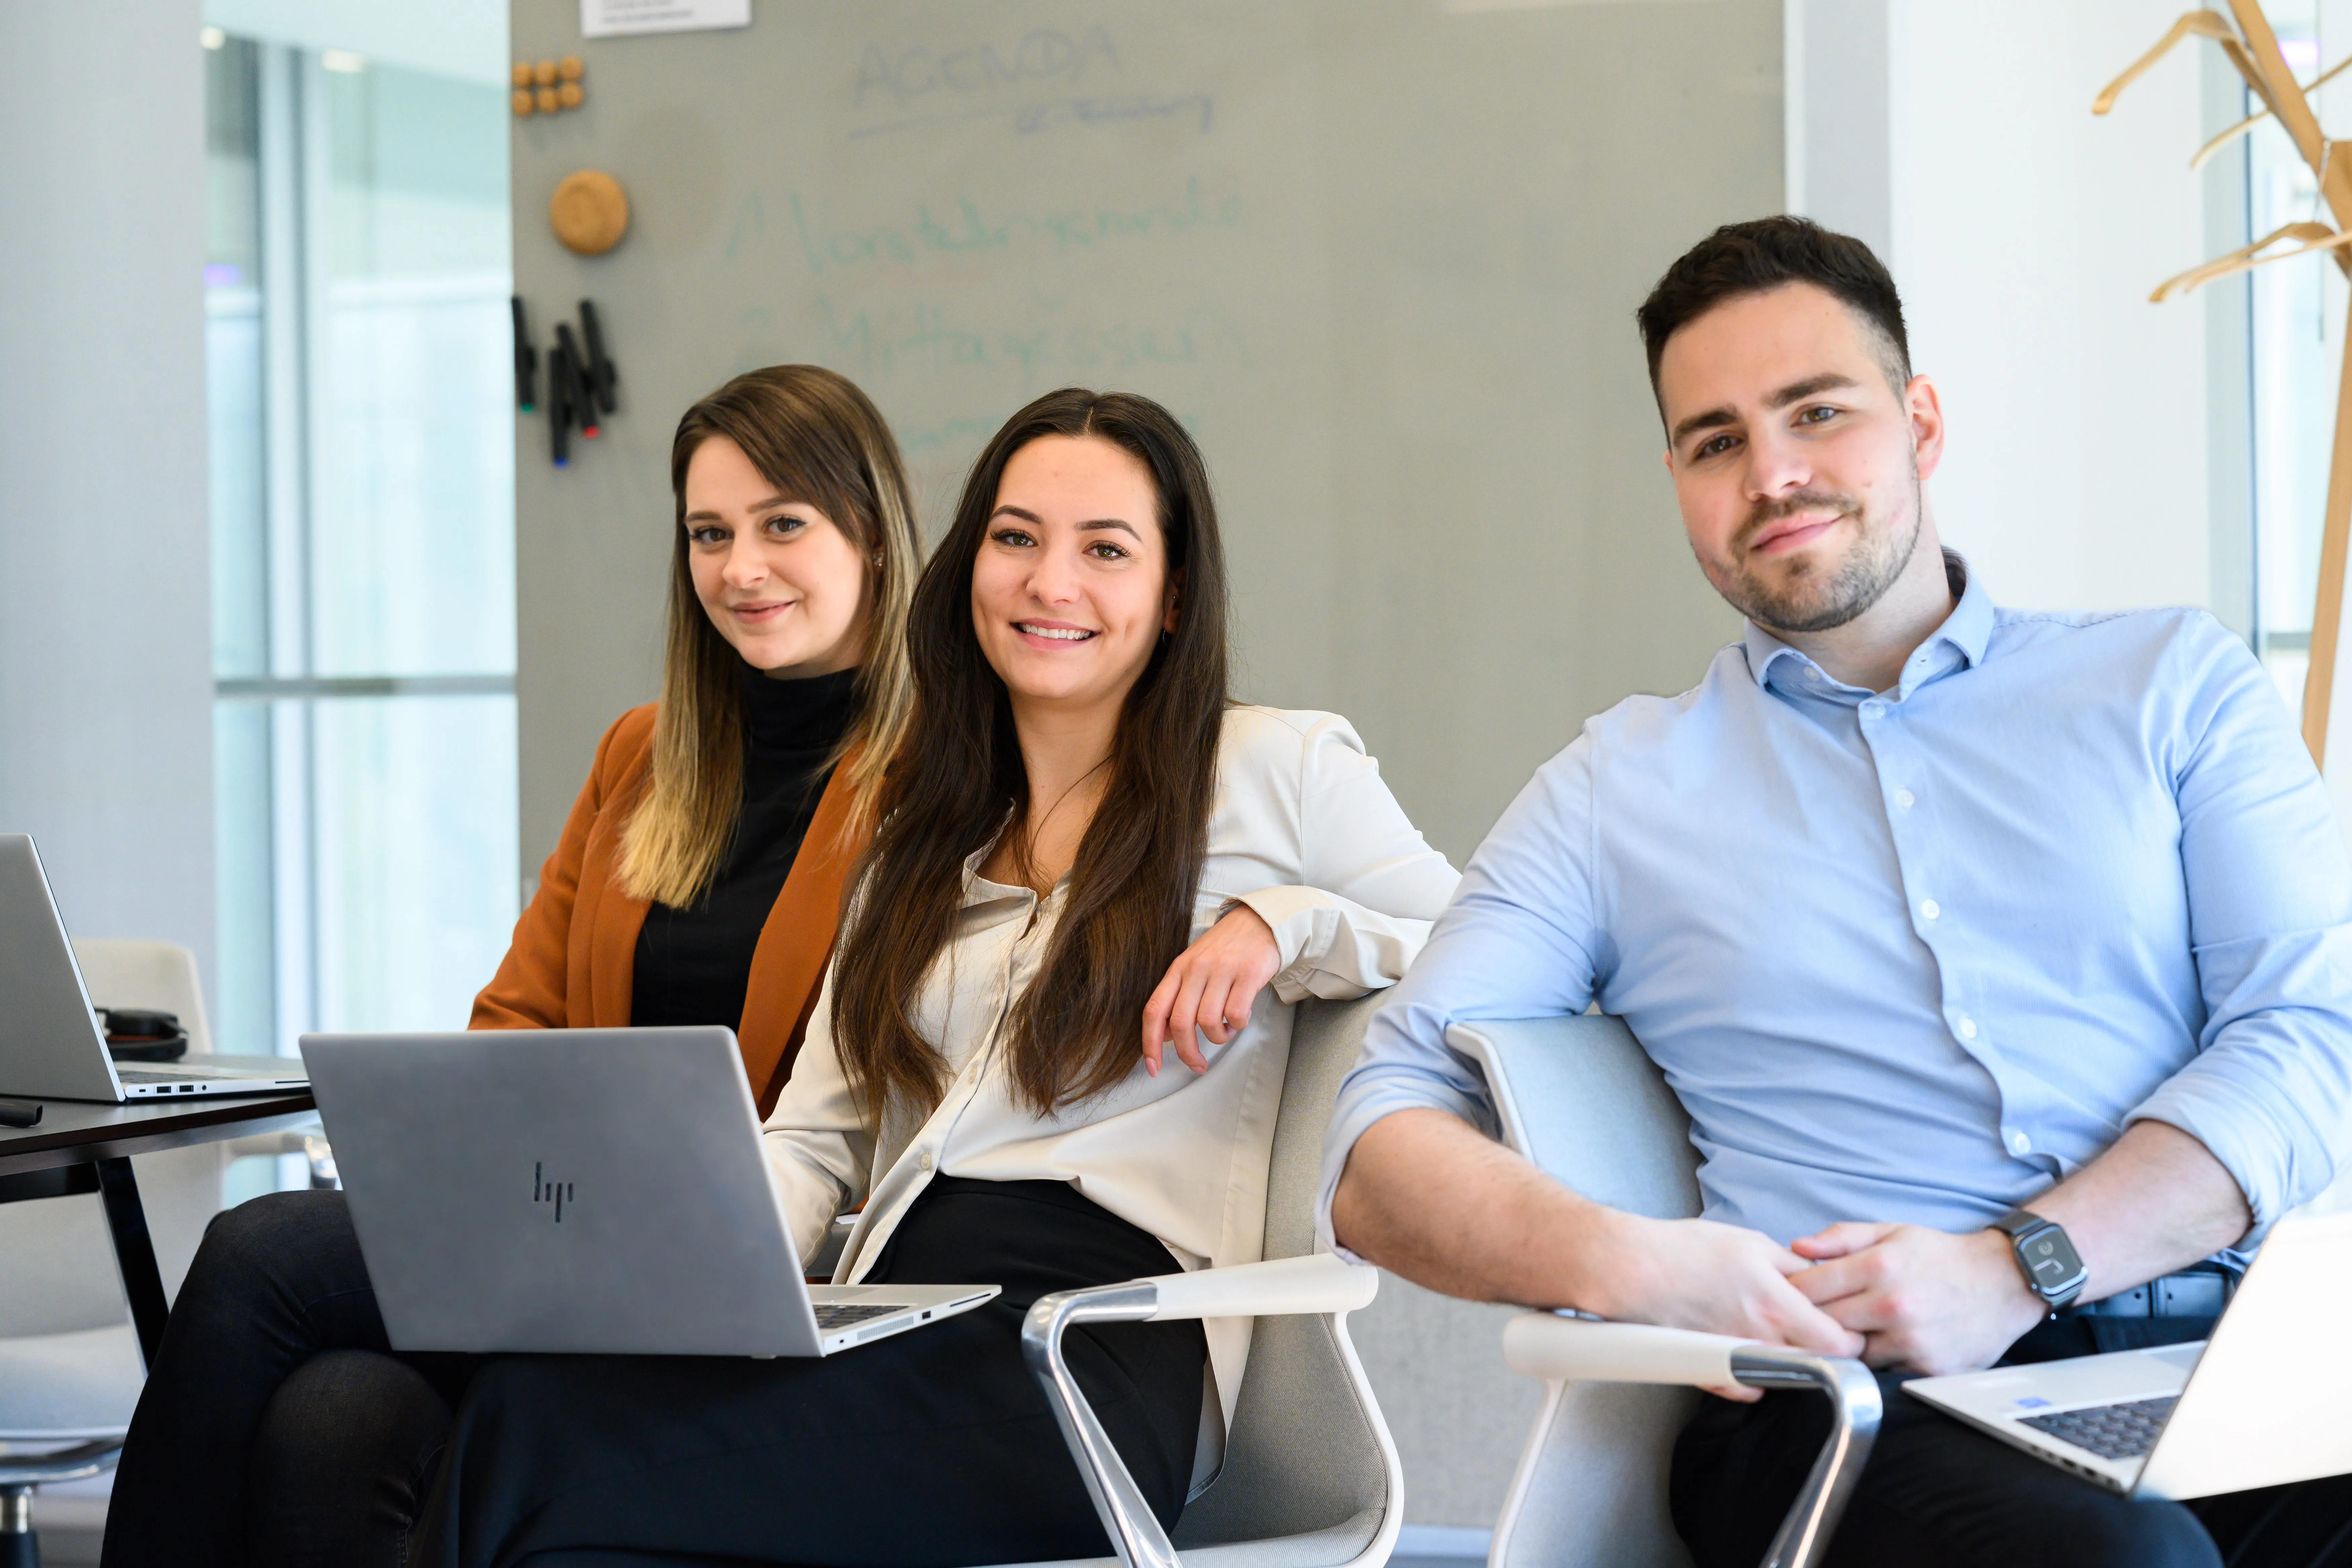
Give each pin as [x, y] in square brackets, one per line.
[276, 1428]
[1939, 1494]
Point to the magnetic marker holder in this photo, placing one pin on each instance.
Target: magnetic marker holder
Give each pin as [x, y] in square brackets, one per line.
[581, 380]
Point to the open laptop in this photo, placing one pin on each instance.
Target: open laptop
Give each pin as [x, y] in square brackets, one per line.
[595, 1191]
[2261, 1403]
[52, 1047]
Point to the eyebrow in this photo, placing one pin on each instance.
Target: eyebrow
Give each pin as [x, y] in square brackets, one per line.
[1090, 525]
[707, 515]
[1795, 392]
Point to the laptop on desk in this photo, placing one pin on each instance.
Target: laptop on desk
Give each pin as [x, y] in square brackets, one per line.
[2261, 1403]
[52, 1047]
[591, 1191]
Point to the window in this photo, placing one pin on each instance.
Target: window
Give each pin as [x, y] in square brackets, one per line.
[361, 391]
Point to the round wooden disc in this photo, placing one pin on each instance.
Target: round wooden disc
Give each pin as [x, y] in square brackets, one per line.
[590, 212]
[543, 73]
[570, 69]
[523, 73]
[570, 95]
[522, 102]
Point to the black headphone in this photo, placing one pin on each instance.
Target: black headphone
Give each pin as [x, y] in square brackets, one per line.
[139, 1035]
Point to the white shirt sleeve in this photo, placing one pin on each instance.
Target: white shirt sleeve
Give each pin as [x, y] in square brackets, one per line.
[819, 1145]
[1369, 884]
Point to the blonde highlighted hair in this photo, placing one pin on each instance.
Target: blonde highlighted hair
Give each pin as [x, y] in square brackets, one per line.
[820, 441]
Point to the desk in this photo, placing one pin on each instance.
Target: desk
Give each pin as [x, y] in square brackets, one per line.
[81, 1147]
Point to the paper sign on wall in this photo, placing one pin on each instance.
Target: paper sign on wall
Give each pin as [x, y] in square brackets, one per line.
[615, 18]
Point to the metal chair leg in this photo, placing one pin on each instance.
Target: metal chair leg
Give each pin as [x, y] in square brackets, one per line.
[19, 1547]
[20, 1544]
[1852, 1393]
[1126, 1517]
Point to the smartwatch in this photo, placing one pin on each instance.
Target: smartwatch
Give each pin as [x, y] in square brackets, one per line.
[2053, 1271]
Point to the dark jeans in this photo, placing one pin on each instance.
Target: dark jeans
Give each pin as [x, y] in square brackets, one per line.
[277, 1428]
[1939, 1494]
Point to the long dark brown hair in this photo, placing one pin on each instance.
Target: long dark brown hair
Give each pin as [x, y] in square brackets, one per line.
[959, 784]
[819, 440]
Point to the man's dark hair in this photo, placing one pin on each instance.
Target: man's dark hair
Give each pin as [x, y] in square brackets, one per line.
[1764, 254]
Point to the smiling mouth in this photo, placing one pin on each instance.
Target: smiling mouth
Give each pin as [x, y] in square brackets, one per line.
[1789, 537]
[760, 612]
[1055, 634]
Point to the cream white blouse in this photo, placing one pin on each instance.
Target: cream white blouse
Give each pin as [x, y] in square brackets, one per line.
[1303, 831]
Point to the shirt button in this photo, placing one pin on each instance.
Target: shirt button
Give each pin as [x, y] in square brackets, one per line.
[1930, 907]
[1968, 1028]
[1872, 709]
[2018, 1143]
[1905, 799]
[923, 1161]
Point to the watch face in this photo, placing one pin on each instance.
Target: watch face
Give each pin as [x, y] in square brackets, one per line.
[2051, 1260]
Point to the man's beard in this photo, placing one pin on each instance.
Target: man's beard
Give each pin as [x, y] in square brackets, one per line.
[1807, 602]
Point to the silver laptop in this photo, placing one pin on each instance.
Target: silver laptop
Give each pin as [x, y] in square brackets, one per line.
[52, 1047]
[2261, 1403]
[595, 1191]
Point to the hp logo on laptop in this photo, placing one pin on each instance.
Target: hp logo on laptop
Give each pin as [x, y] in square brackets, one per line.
[543, 1191]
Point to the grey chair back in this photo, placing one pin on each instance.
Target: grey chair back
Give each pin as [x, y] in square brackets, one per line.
[1305, 1482]
[1581, 1099]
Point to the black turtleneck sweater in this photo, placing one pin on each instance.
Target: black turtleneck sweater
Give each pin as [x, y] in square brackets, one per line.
[692, 964]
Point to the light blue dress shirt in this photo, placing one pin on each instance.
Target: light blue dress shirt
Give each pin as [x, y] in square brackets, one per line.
[1917, 955]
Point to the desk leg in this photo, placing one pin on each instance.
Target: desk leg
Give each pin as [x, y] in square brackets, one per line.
[134, 1254]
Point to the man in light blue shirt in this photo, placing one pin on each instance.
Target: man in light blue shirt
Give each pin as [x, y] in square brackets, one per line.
[1931, 912]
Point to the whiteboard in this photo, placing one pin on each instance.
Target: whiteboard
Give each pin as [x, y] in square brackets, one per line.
[1380, 257]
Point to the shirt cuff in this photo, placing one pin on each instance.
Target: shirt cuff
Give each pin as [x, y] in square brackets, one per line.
[1292, 914]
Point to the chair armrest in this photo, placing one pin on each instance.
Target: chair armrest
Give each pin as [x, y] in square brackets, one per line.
[1548, 1347]
[1561, 1349]
[1280, 1288]
[827, 1257]
[312, 1145]
[274, 1142]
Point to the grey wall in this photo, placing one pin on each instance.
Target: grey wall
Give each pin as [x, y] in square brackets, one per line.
[105, 659]
[1381, 257]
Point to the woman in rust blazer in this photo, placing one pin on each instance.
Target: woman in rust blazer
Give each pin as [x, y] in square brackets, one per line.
[696, 881]
[699, 874]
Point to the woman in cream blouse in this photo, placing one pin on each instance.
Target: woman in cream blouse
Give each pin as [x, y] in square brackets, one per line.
[1086, 855]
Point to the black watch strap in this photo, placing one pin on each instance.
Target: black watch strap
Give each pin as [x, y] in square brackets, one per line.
[2053, 1271]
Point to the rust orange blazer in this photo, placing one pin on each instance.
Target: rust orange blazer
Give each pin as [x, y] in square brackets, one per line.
[573, 959]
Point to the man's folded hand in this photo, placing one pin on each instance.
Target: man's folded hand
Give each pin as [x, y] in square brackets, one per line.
[1924, 1300]
[1720, 1280]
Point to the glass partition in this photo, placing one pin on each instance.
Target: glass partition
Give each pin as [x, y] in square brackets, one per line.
[363, 519]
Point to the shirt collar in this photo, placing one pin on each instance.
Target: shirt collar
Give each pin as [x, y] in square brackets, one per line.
[1966, 632]
[977, 889]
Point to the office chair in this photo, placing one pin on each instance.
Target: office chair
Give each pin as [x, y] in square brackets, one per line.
[1310, 1476]
[1581, 1099]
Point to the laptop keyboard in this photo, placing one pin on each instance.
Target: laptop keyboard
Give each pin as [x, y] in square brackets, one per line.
[841, 1317]
[2126, 1431]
